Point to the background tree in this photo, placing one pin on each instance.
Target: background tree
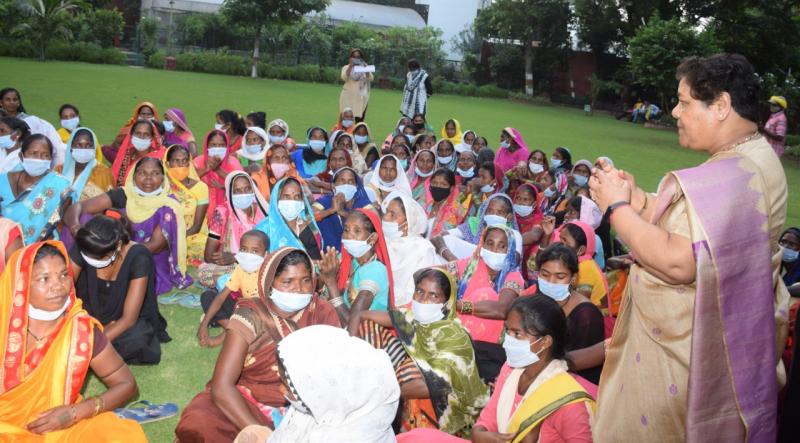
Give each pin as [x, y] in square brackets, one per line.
[659, 47]
[46, 19]
[541, 23]
[599, 28]
[255, 14]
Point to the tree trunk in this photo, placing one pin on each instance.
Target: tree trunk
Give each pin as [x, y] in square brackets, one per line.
[529, 69]
[254, 68]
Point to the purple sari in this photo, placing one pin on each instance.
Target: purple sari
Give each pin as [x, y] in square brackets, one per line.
[166, 262]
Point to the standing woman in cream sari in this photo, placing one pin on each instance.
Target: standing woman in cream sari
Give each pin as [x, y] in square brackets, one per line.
[355, 92]
[704, 305]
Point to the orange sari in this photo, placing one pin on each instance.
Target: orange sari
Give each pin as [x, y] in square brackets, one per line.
[52, 374]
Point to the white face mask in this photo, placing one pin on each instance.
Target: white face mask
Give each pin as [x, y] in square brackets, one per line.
[276, 138]
[523, 210]
[291, 209]
[445, 160]
[42, 315]
[361, 139]
[391, 230]
[141, 144]
[217, 152]
[494, 220]
[249, 262]
[169, 126]
[6, 142]
[580, 180]
[518, 352]
[70, 123]
[243, 201]
[505, 144]
[317, 145]
[487, 189]
[349, 191]
[423, 174]
[536, 168]
[289, 301]
[218, 126]
[549, 192]
[152, 193]
[469, 173]
[82, 155]
[494, 260]
[99, 264]
[356, 248]
[35, 167]
[556, 291]
[427, 313]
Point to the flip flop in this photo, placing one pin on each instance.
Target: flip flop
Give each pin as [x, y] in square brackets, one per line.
[191, 301]
[150, 413]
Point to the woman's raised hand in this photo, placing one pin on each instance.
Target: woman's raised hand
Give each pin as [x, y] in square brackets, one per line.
[329, 266]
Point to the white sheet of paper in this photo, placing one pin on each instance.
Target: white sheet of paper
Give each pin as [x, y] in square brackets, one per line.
[364, 69]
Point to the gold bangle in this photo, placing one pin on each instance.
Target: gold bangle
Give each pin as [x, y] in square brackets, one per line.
[99, 404]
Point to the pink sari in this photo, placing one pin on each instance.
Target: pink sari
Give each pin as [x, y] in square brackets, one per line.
[215, 182]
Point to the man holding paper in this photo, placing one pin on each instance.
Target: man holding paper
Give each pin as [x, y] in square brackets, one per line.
[356, 76]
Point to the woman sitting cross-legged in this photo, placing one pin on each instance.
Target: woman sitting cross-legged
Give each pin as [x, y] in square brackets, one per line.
[432, 355]
[246, 386]
[115, 279]
[48, 344]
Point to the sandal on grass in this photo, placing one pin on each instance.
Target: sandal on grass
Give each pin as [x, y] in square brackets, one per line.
[172, 298]
[150, 413]
[191, 301]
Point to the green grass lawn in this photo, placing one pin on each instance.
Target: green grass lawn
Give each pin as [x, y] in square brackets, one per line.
[106, 96]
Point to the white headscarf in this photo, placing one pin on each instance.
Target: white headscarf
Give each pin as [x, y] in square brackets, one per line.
[348, 386]
[409, 253]
[400, 183]
[259, 155]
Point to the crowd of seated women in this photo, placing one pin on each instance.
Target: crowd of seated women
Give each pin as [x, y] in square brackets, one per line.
[421, 286]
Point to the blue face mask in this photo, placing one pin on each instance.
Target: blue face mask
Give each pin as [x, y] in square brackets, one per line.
[581, 180]
[6, 142]
[410, 138]
[554, 162]
[276, 139]
[361, 139]
[404, 163]
[790, 255]
[556, 291]
[243, 201]
[493, 220]
[347, 190]
[35, 167]
[347, 123]
[317, 145]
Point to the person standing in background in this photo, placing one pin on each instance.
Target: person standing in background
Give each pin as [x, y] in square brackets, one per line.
[355, 92]
[775, 129]
[417, 90]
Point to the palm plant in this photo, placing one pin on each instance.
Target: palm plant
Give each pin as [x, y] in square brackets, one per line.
[47, 19]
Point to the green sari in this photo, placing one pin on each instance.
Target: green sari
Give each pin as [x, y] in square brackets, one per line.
[443, 352]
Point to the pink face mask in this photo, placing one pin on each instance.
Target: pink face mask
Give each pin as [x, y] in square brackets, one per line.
[279, 169]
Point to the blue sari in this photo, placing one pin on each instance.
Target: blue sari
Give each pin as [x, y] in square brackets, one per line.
[79, 182]
[276, 228]
[331, 226]
[34, 207]
[308, 170]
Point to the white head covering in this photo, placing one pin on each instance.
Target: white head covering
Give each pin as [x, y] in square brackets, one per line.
[409, 253]
[258, 156]
[400, 183]
[349, 388]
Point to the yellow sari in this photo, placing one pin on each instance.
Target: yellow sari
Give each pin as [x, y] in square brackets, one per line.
[35, 380]
[190, 199]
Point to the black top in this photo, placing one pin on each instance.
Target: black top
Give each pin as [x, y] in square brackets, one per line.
[105, 300]
[585, 327]
[309, 242]
[118, 198]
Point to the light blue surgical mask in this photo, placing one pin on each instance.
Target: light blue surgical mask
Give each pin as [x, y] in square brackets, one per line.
[347, 123]
[523, 210]
[35, 167]
[291, 209]
[6, 142]
[317, 145]
[410, 138]
[494, 220]
[556, 291]
[243, 201]
[276, 139]
[349, 191]
[153, 193]
[581, 180]
[549, 192]
[252, 149]
[169, 126]
[361, 139]
[555, 162]
[505, 144]
[468, 173]
[790, 255]
[404, 163]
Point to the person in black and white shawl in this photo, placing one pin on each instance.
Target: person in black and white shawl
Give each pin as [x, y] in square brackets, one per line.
[417, 90]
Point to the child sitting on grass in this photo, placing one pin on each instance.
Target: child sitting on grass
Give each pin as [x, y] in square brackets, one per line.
[218, 307]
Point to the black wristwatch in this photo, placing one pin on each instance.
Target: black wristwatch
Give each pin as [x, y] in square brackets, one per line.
[613, 207]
